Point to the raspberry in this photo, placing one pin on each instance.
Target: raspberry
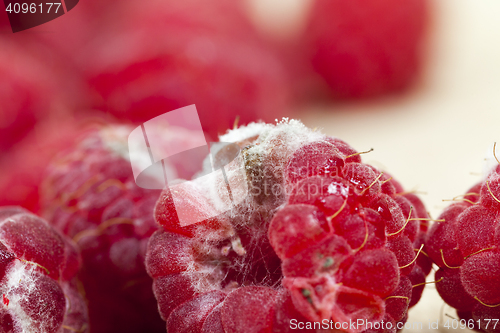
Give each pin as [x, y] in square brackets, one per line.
[90, 195]
[464, 246]
[37, 277]
[366, 48]
[207, 54]
[319, 236]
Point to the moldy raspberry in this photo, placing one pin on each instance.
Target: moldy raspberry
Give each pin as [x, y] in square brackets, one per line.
[320, 236]
[37, 277]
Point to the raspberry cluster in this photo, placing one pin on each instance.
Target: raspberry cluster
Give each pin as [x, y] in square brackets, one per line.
[320, 236]
[37, 277]
[464, 246]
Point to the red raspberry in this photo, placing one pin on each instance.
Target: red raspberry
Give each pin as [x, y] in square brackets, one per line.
[160, 57]
[464, 246]
[320, 236]
[90, 195]
[37, 277]
[366, 48]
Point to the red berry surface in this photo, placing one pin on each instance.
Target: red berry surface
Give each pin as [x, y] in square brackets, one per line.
[90, 195]
[319, 236]
[150, 59]
[366, 48]
[464, 244]
[37, 277]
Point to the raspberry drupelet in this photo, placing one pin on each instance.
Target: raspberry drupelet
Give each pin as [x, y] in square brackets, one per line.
[320, 236]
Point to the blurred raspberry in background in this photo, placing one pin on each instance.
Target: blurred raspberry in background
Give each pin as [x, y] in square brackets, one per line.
[156, 58]
[347, 49]
[365, 48]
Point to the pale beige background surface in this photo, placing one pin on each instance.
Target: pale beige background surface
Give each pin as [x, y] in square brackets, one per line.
[434, 139]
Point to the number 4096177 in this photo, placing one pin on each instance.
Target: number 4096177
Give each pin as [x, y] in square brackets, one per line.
[490, 324]
[32, 7]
